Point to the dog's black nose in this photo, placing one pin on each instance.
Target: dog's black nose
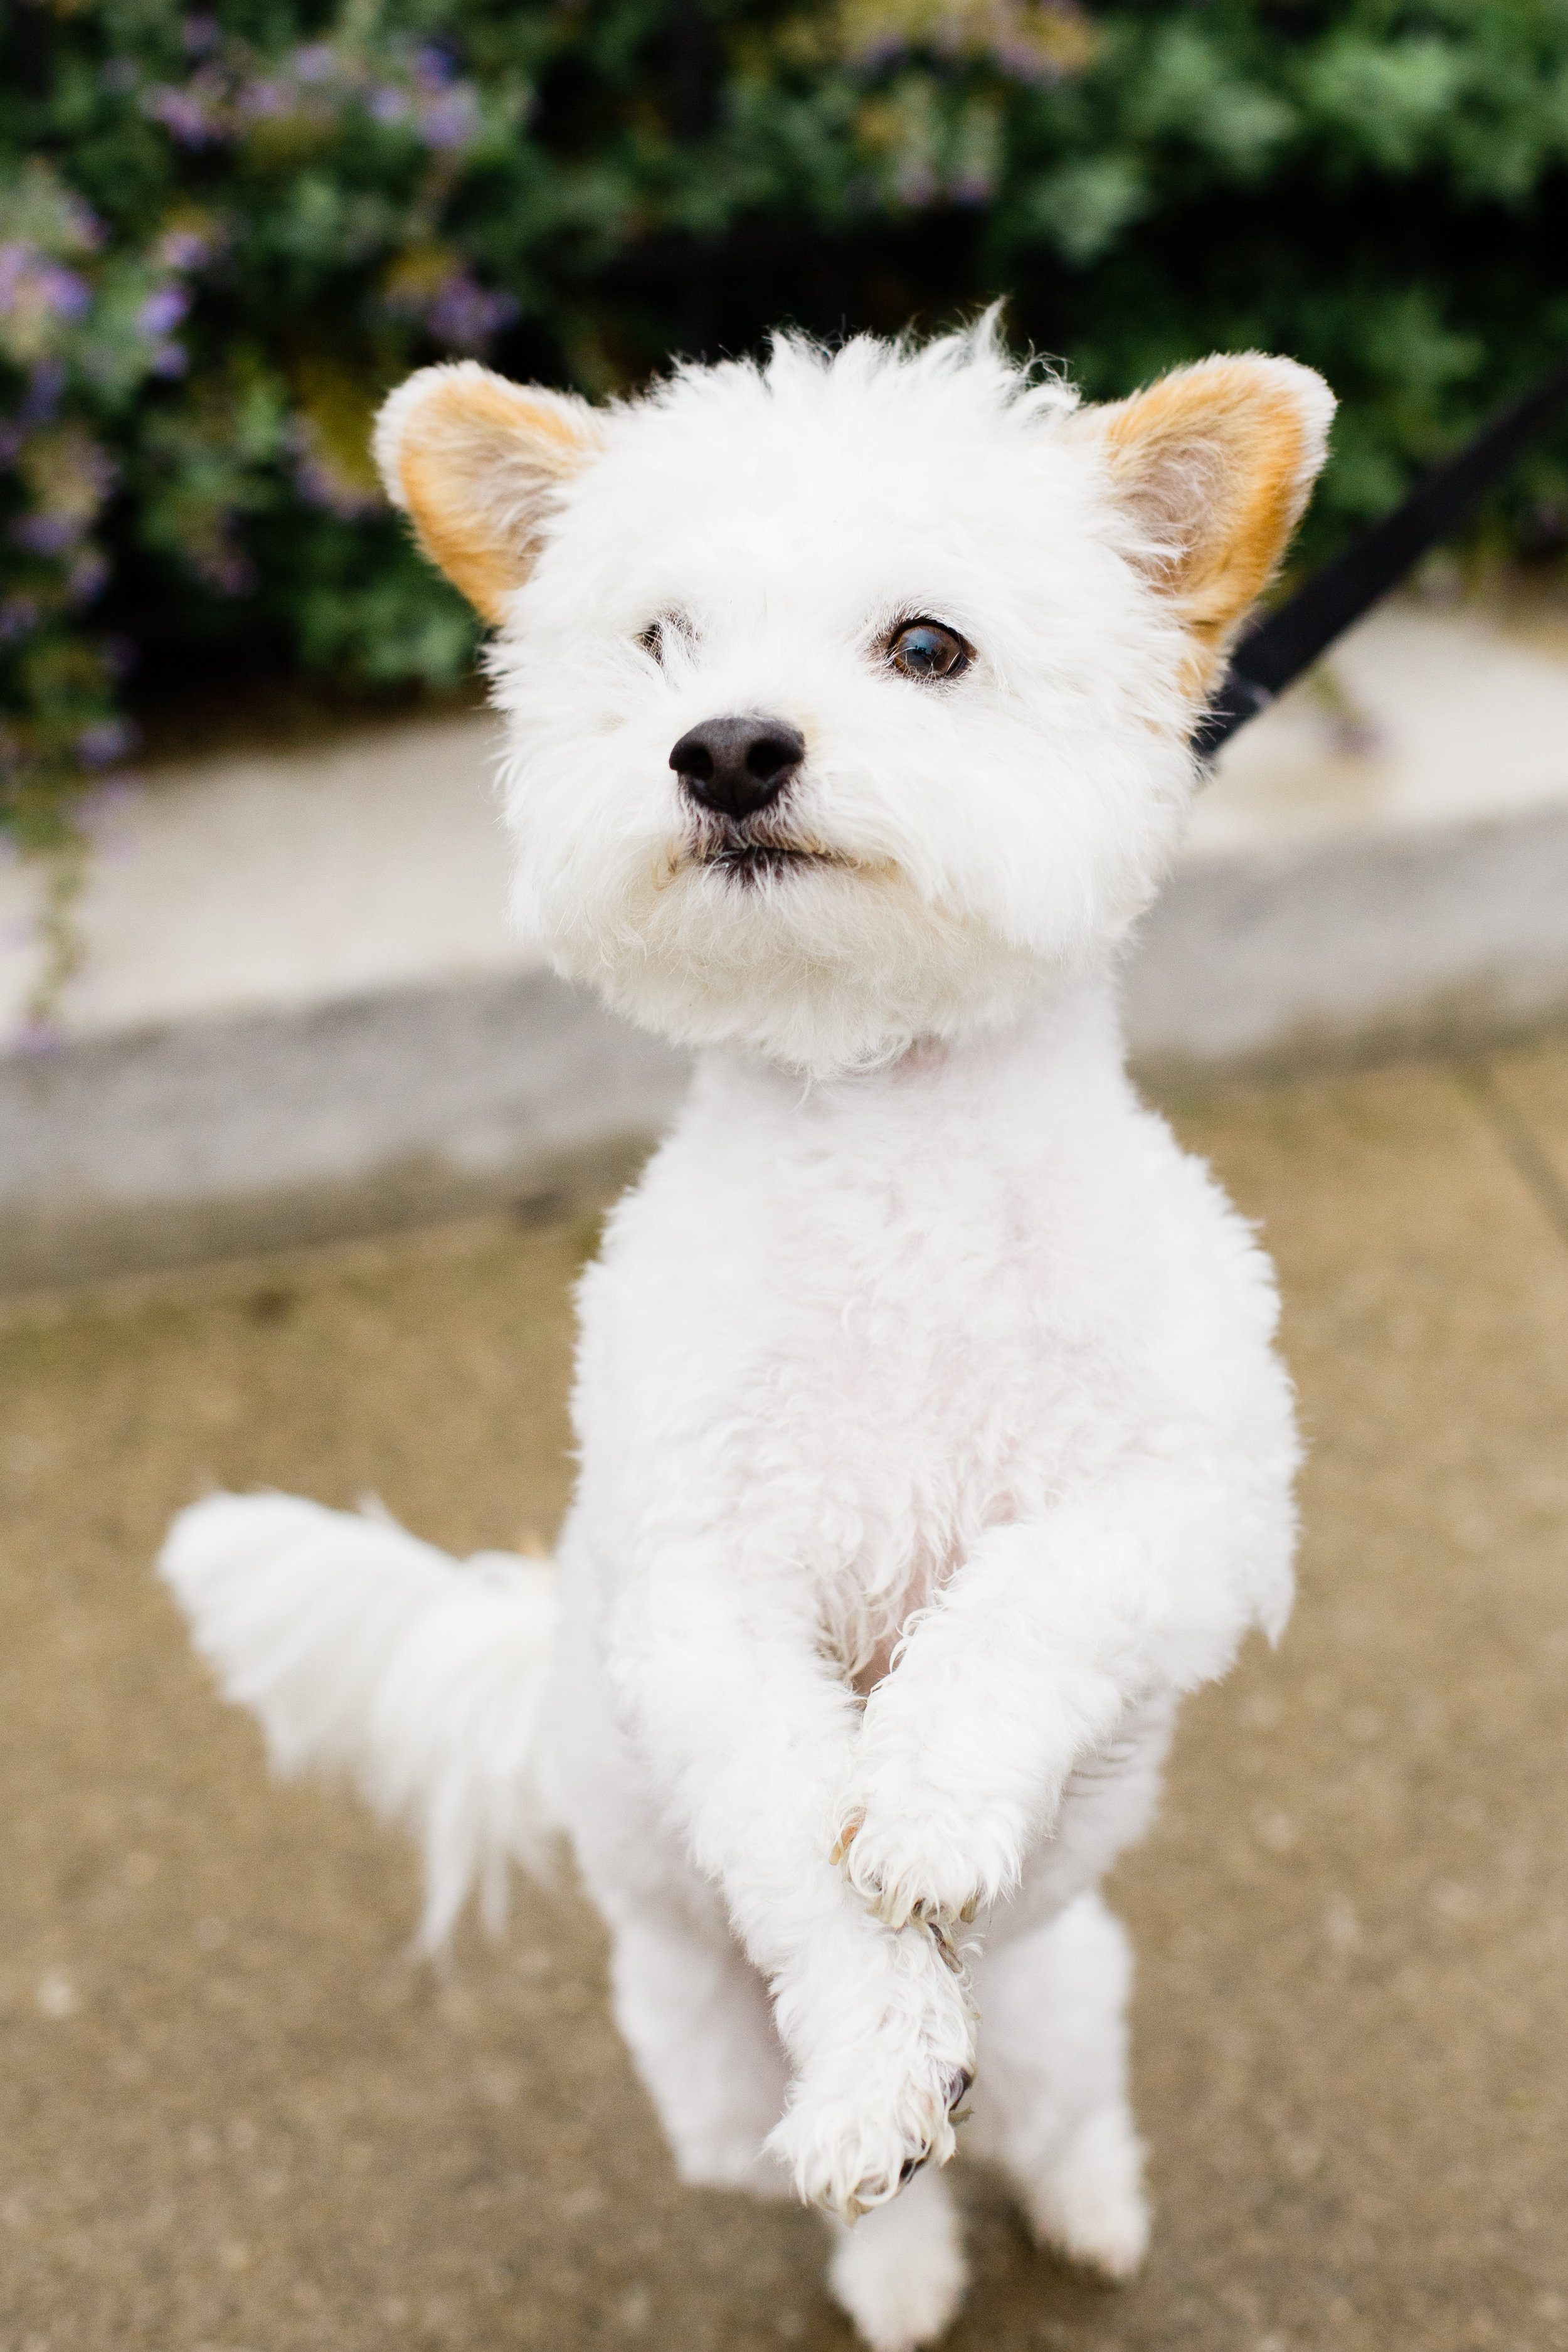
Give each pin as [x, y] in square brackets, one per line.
[738, 765]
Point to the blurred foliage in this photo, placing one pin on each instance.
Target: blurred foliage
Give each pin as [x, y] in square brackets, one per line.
[225, 234]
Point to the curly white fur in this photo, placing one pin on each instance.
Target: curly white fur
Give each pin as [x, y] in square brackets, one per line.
[932, 1437]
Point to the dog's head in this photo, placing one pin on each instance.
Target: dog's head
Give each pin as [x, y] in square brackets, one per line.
[848, 695]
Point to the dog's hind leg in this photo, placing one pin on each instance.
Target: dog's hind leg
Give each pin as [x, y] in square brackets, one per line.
[899, 2272]
[1050, 2103]
[695, 2017]
[693, 2010]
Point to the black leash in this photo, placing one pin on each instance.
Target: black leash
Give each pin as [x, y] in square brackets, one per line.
[1278, 649]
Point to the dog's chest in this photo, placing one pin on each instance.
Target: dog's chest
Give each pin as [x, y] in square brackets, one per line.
[857, 1350]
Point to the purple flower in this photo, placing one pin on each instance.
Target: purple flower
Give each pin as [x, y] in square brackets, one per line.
[49, 534]
[315, 62]
[451, 120]
[258, 99]
[29, 280]
[319, 486]
[201, 35]
[432, 68]
[185, 112]
[66, 295]
[106, 740]
[1026, 64]
[973, 187]
[161, 312]
[389, 104]
[464, 315]
[19, 617]
[170, 359]
[184, 248]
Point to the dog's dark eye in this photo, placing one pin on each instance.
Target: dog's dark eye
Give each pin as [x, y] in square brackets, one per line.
[655, 639]
[925, 649]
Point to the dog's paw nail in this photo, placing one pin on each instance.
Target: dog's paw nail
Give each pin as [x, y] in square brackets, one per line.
[969, 1910]
[845, 1840]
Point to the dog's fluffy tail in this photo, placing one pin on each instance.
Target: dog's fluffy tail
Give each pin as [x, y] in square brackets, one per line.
[364, 1650]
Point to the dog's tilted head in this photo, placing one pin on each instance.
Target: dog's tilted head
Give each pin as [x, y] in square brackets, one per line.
[848, 694]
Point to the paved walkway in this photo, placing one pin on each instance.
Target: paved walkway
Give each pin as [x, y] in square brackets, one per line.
[234, 2116]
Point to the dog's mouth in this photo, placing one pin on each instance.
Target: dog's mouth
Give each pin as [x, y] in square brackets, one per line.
[754, 850]
[761, 861]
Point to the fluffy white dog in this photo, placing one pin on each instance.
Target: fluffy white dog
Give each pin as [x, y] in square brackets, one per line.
[932, 1441]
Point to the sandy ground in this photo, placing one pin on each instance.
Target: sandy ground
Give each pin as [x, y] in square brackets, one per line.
[235, 2116]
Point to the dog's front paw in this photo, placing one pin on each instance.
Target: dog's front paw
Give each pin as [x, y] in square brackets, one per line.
[911, 1853]
[849, 2150]
[879, 2097]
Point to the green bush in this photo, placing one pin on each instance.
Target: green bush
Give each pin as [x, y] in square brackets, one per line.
[223, 235]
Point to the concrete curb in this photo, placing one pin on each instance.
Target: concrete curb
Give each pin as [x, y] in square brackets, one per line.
[1349, 949]
[209, 1140]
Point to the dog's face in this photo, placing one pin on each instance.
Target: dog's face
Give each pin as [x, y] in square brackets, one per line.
[848, 697]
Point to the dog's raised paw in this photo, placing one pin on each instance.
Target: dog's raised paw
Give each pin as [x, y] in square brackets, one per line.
[922, 1863]
[850, 2153]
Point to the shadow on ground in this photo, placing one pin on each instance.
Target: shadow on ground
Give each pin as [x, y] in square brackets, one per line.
[235, 2117]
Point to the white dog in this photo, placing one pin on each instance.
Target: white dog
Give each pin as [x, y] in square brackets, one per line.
[932, 1437]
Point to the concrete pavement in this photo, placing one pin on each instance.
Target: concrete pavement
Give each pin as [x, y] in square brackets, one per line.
[235, 2117]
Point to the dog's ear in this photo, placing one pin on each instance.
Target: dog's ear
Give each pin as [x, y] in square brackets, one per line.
[1214, 466]
[476, 462]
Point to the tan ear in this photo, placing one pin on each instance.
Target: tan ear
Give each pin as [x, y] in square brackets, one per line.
[477, 463]
[1214, 466]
